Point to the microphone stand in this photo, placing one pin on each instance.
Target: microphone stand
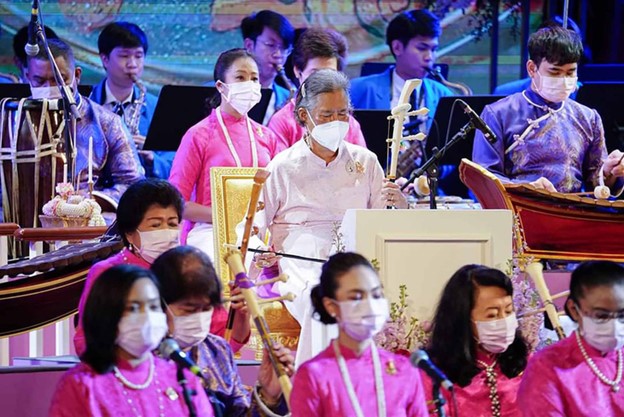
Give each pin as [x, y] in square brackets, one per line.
[70, 109]
[431, 165]
[438, 399]
[186, 392]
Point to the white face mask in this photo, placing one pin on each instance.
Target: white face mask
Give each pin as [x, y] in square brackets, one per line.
[329, 135]
[495, 336]
[49, 92]
[606, 336]
[139, 333]
[243, 96]
[191, 330]
[363, 319]
[554, 89]
[156, 242]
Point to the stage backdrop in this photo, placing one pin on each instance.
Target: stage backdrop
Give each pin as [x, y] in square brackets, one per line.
[187, 36]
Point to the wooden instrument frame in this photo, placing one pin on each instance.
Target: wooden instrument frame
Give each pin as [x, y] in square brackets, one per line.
[551, 225]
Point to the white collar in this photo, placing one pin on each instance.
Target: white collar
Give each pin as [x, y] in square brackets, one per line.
[110, 97]
[397, 87]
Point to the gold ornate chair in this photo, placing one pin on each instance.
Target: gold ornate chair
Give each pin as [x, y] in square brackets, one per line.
[231, 192]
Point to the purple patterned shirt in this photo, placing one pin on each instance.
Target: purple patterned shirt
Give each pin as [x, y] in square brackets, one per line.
[116, 163]
[567, 147]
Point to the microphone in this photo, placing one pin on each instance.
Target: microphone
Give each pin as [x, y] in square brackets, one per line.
[420, 359]
[169, 348]
[32, 47]
[478, 122]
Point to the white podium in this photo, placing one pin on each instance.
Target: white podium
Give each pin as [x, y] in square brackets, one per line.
[423, 248]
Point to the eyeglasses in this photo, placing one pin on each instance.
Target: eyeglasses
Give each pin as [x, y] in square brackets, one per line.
[601, 316]
[273, 47]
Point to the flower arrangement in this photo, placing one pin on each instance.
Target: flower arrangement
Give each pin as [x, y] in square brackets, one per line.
[403, 333]
[71, 207]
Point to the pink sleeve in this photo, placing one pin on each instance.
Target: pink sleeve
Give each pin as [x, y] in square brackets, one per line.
[418, 407]
[188, 163]
[68, 399]
[538, 395]
[304, 398]
[376, 180]
[275, 146]
[217, 327]
[356, 136]
[279, 124]
[94, 273]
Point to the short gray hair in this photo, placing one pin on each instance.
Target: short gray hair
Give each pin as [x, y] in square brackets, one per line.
[322, 81]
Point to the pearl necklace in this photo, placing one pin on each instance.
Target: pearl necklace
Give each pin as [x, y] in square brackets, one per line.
[490, 380]
[614, 384]
[379, 388]
[152, 376]
[127, 383]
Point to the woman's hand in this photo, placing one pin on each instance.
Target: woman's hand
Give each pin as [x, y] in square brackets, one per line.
[267, 259]
[392, 194]
[270, 388]
[241, 327]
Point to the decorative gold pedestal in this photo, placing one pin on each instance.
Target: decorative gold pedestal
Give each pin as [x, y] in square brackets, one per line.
[283, 326]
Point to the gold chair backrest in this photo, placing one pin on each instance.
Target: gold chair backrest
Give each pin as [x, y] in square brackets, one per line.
[231, 191]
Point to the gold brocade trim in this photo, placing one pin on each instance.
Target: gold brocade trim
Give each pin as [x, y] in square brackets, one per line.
[230, 191]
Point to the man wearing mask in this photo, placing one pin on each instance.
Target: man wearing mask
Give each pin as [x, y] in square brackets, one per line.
[545, 138]
[115, 160]
[269, 37]
[123, 47]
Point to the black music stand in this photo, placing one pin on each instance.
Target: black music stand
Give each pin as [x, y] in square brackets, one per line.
[449, 180]
[374, 125]
[23, 90]
[606, 98]
[180, 107]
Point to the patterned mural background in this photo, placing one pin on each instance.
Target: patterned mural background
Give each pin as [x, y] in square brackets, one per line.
[187, 36]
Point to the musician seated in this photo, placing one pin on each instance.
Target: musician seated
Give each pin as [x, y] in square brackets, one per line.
[226, 138]
[352, 376]
[122, 47]
[148, 218]
[581, 375]
[316, 49]
[118, 374]
[525, 83]
[268, 37]
[20, 39]
[543, 137]
[115, 161]
[191, 290]
[413, 38]
[477, 344]
[311, 186]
